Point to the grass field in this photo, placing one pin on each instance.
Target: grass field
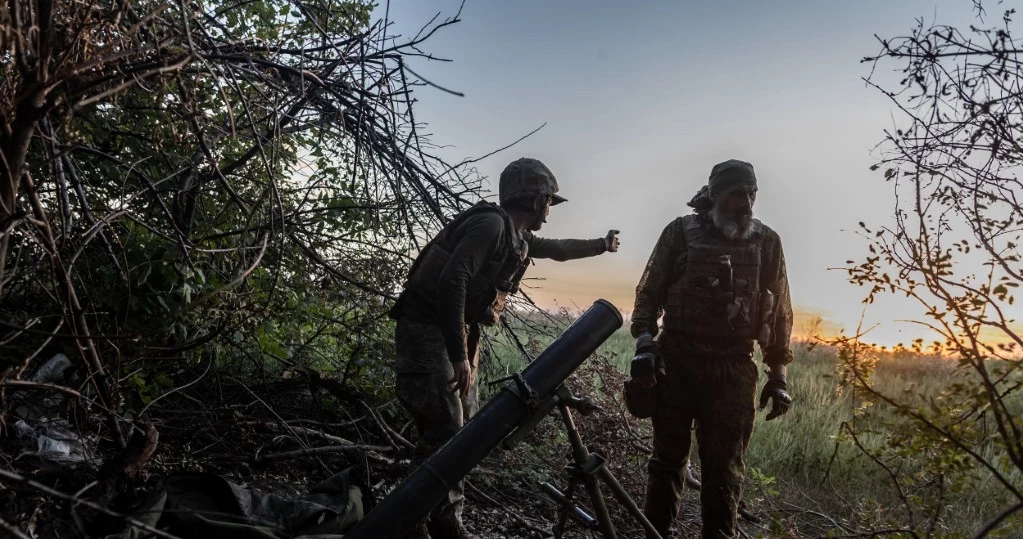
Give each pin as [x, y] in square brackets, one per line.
[806, 467]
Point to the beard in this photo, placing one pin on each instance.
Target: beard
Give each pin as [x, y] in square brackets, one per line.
[731, 225]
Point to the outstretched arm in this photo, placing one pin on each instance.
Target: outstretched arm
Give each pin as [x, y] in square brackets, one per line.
[562, 250]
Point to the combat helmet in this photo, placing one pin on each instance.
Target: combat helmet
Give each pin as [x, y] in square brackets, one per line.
[526, 178]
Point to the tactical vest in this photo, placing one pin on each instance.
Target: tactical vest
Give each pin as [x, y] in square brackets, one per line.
[486, 291]
[716, 292]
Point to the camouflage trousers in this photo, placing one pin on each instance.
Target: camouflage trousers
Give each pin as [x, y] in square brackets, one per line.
[718, 393]
[423, 388]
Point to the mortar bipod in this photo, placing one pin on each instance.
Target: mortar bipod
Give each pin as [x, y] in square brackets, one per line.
[587, 469]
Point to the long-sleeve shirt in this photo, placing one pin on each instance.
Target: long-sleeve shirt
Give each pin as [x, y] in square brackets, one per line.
[562, 250]
[662, 269]
[477, 241]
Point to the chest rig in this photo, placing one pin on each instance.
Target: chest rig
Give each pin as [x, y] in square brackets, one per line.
[487, 291]
[716, 290]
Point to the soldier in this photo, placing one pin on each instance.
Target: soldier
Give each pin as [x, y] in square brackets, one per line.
[718, 277]
[459, 282]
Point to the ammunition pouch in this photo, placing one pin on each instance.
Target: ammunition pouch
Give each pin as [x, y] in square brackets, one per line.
[507, 283]
[490, 313]
[715, 291]
[767, 314]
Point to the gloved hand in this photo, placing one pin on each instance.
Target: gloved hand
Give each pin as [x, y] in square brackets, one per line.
[775, 390]
[647, 362]
[645, 343]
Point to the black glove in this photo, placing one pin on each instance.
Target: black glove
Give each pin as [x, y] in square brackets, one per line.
[647, 363]
[777, 391]
[645, 344]
[643, 366]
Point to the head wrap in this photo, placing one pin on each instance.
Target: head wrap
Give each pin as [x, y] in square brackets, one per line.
[731, 173]
[723, 176]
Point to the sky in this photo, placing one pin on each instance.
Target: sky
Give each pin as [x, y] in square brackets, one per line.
[641, 99]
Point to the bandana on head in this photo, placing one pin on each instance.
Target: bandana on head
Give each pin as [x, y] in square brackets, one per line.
[731, 173]
[723, 176]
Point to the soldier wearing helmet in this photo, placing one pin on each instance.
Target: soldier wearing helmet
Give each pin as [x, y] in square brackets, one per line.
[458, 283]
[718, 278]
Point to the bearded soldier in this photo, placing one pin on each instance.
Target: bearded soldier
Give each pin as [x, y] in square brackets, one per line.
[459, 282]
[718, 277]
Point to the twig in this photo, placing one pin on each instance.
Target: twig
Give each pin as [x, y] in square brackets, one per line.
[835, 523]
[499, 150]
[53, 387]
[303, 430]
[321, 450]
[435, 85]
[179, 388]
[11, 476]
[891, 474]
[12, 529]
[504, 507]
[395, 438]
[990, 526]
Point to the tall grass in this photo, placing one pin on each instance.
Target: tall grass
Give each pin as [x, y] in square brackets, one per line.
[801, 451]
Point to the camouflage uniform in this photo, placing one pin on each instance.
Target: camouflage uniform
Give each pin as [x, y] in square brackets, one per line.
[422, 386]
[443, 305]
[709, 380]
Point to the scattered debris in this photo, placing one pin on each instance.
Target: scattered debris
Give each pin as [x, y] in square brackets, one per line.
[51, 441]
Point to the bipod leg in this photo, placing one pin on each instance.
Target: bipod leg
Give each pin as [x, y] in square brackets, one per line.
[623, 497]
[568, 507]
[584, 467]
[573, 486]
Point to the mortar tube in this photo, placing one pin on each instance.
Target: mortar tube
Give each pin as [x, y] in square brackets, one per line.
[411, 501]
